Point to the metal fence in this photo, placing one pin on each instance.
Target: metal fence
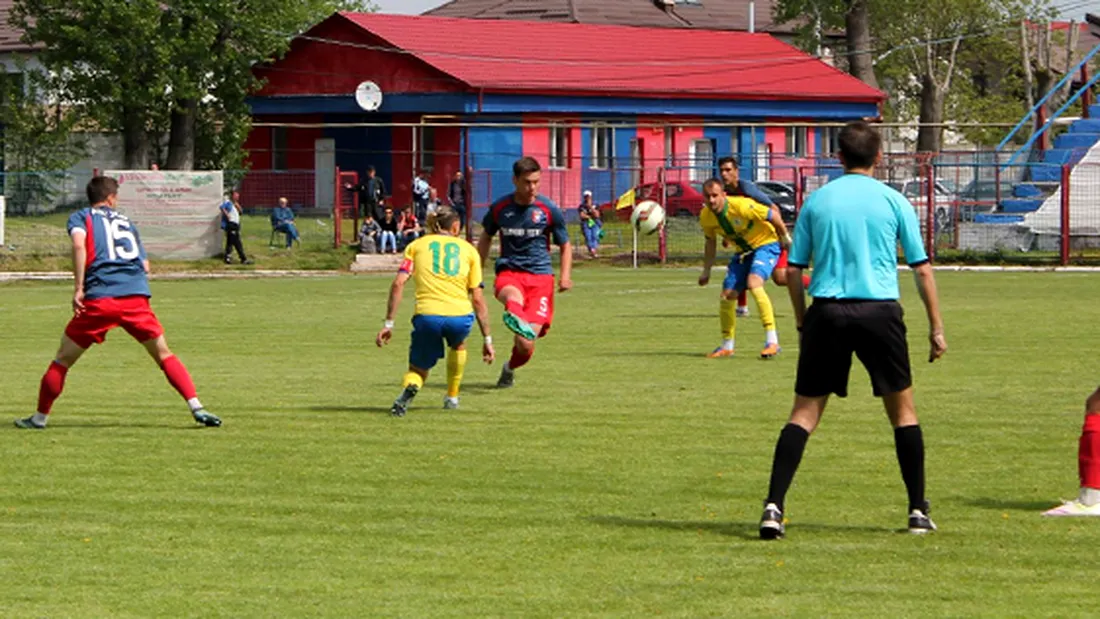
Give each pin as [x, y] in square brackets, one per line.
[972, 206]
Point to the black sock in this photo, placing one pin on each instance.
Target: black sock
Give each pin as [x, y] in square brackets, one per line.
[788, 455]
[909, 443]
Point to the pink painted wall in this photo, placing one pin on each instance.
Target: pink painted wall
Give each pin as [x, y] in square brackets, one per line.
[563, 186]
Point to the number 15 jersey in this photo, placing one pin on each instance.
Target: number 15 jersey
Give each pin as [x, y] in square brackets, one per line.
[445, 269]
[115, 255]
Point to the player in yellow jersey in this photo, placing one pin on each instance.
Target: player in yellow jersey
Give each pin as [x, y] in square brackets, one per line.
[757, 234]
[447, 272]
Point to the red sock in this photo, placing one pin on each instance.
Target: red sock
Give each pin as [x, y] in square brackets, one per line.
[519, 358]
[742, 299]
[805, 281]
[53, 381]
[178, 377]
[515, 308]
[1088, 453]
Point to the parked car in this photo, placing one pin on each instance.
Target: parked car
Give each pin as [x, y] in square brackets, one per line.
[680, 198]
[982, 196]
[782, 195]
[945, 203]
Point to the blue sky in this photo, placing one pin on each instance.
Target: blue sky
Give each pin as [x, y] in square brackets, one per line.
[407, 7]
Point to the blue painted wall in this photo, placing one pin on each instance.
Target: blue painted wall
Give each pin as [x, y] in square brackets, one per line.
[493, 150]
[357, 147]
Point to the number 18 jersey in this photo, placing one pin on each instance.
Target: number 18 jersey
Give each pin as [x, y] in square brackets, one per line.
[115, 254]
[445, 269]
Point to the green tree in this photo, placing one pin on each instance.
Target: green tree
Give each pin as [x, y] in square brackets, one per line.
[148, 68]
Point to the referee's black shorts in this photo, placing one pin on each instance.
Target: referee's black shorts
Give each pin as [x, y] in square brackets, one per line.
[835, 328]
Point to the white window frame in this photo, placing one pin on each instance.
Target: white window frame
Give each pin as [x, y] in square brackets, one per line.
[670, 147]
[830, 141]
[798, 139]
[603, 160]
[559, 147]
[702, 172]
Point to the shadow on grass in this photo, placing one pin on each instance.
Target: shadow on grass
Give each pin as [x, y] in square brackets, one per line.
[748, 531]
[671, 316]
[113, 425]
[654, 353]
[350, 409]
[1011, 505]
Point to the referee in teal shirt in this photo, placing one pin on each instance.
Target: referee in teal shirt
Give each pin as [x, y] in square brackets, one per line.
[850, 230]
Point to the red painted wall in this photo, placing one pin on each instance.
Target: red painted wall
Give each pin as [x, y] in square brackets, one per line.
[314, 67]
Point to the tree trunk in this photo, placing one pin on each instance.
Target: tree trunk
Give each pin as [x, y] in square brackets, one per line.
[135, 140]
[930, 135]
[181, 136]
[857, 25]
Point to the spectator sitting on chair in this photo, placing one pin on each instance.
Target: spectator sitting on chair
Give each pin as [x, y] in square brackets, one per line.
[591, 224]
[433, 202]
[282, 220]
[368, 235]
[408, 227]
[388, 224]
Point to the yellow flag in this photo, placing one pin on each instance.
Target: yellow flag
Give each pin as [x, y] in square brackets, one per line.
[625, 200]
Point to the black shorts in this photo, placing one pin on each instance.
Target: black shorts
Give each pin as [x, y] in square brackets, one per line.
[834, 329]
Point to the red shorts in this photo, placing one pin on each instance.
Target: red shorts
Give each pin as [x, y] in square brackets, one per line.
[782, 262]
[102, 315]
[538, 296]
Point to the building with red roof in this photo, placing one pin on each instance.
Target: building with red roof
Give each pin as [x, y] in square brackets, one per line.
[588, 101]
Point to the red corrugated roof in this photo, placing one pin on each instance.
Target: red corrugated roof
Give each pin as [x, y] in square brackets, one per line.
[508, 56]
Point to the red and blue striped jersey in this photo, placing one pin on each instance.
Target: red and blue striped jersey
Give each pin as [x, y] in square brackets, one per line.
[116, 257]
[526, 232]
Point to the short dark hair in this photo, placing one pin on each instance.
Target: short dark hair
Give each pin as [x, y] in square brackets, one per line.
[725, 160]
[523, 167]
[100, 188]
[859, 144]
[712, 182]
[370, 168]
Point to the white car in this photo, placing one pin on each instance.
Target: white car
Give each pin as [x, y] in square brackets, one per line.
[916, 190]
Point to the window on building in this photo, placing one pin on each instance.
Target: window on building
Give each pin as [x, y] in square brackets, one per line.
[603, 147]
[735, 143]
[830, 141]
[278, 148]
[702, 159]
[797, 138]
[559, 147]
[670, 146]
[425, 147]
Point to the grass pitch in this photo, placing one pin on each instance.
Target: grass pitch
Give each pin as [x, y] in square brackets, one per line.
[622, 476]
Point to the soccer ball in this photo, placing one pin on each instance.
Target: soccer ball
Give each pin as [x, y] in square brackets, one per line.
[647, 217]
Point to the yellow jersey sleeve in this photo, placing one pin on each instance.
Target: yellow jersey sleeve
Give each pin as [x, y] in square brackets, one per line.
[709, 223]
[474, 259]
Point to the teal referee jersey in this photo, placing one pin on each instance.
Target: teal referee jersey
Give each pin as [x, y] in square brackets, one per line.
[850, 230]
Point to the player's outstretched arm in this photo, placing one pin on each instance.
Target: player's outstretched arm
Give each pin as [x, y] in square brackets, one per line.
[929, 295]
[709, 251]
[396, 290]
[566, 281]
[80, 267]
[481, 311]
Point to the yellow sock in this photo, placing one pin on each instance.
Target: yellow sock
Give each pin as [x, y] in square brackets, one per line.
[764, 304]
[456, 367]
[412, 378]
[727, 316]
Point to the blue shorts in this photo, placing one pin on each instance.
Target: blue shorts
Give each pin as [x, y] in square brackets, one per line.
[429, 333]
[761, 261]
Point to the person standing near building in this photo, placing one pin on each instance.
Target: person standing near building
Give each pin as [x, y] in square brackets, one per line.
[456, 195]
[421, 192]
[372, 194]
[850, 230]
[231, 223]
[591, 224]
[527, 223]
[111, 289]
